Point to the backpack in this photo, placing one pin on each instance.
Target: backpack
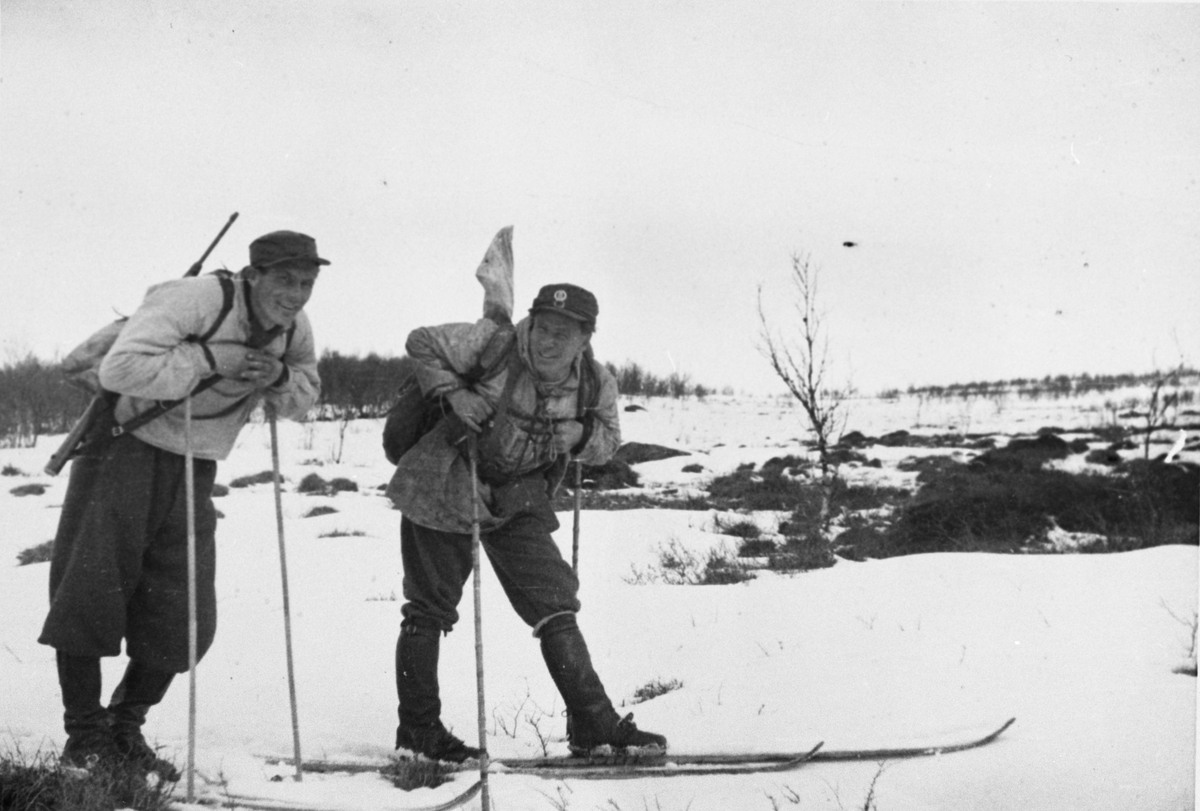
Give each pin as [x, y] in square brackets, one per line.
[413, 414]
[82, 365]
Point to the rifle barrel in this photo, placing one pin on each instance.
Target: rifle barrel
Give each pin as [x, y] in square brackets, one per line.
[194, 270]
[68, 446]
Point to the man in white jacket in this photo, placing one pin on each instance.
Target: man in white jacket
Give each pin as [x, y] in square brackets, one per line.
[119, 567]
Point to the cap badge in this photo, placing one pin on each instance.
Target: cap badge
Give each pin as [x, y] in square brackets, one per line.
[560, 298]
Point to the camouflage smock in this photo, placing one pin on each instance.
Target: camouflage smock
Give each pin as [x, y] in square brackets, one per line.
[432, 483]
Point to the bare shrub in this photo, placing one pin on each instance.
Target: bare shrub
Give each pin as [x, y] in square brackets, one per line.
[343, 533]
[737, 527]
[653, 689]
[800, 358]
[265, 477]
[679, 566]
[36, 554]
[312, 484]
[410, 773]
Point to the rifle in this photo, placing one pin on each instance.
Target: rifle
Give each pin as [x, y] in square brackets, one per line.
[102, 399]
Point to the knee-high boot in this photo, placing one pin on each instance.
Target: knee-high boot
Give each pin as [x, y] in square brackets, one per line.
[86, 722]
[420, 705]
[592, 722]
[417, 651]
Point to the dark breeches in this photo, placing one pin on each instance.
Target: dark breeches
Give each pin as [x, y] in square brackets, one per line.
[119, 566]
[538, 582]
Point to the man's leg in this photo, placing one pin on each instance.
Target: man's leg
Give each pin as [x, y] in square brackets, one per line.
[95, 567]
[592, 723]
[436, 565]
[543, 589]
[157, 608]
[157, 611]
[141, 688]
[85, 721]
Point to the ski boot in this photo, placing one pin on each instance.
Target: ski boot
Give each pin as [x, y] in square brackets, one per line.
[435, 742]
[594, 729]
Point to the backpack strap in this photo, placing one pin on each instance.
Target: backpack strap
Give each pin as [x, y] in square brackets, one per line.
[163, 406]
[511, 360]
[587, 399]
[226, 280]
[494, 355]
[227, 293]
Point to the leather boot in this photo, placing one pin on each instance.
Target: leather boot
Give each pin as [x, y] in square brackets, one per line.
[593, 725]
[89, 740]
[420, 706]
[141, 688]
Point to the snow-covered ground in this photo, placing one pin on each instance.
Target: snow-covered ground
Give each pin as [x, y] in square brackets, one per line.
[1081, 649]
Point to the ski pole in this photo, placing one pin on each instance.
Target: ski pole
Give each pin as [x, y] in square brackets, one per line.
[575, 529]
[473, 449]
[287, 613]
[189, 486]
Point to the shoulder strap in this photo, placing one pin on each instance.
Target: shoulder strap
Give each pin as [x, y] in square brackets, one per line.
[226, 280]
[163, 406]
[512, 359]
[496, 352]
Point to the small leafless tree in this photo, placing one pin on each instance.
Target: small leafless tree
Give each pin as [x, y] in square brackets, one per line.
[799, 355]
[1164, 396]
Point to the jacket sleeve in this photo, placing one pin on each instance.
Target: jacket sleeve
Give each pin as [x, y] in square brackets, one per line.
[606, 427]
[152, 357]
[444, 354]
[301, 386]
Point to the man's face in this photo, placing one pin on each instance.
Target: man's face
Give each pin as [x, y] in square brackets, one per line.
[281, 292]
[554, 343]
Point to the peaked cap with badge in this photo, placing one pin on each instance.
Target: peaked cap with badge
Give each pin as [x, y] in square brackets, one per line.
[569, 300]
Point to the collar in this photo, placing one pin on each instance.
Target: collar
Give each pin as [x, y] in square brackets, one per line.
[260, 335]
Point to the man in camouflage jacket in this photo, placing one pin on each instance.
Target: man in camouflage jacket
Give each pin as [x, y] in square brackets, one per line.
[529, 419]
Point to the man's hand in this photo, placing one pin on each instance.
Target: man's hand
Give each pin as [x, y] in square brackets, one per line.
[567, 435]
[471, 408]
[237, 362]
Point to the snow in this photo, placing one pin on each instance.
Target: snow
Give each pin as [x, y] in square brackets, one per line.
[1080, 649]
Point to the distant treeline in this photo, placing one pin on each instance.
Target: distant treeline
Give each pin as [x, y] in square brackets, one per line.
[1050, 385]
[364, 388]
[35, 398]
[634, 381]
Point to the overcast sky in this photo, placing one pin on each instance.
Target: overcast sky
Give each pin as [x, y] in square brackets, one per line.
[1019, 180]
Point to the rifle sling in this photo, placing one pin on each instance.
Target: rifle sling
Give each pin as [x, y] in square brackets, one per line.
[163, 406]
